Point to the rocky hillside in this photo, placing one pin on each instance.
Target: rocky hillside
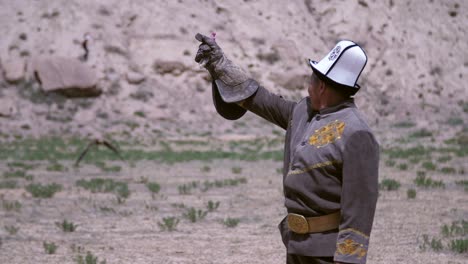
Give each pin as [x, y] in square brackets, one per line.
[145, 84]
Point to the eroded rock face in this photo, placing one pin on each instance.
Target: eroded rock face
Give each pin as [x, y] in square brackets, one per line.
[67, 76]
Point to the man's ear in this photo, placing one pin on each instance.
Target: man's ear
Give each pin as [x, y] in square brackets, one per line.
[322, 87]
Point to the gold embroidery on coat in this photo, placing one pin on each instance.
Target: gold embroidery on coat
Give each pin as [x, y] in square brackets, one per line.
[327, 134]
[355, 231]
[315, 166]
[351, 248]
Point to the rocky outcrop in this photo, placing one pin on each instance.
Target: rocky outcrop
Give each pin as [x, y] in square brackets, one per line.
[66, 76]
[13, 70]
[7, 108]
[169, 67]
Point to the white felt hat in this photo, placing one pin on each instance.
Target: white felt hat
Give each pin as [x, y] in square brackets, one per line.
[342, 65]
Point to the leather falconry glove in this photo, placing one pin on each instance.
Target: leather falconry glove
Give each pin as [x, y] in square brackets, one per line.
[233, 83]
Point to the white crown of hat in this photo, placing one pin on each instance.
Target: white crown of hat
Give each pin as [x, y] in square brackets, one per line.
[343, 64]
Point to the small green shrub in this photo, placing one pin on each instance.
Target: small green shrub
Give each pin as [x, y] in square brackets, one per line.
[205, 169]
[43, 191]
[195, 215]
[389, 185]
[403, 166]
[140, 114]
[231, 222]
[390, 163]
[236, 170]
[169, 223]
[411, 193]
[459, 245]
[153, 187]
[88, 259]
[428, 165]
[49, 248]
[212, 206]
[66, 226]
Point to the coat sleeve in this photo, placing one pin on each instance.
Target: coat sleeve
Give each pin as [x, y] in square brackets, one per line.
[358, 197]
[271, 107]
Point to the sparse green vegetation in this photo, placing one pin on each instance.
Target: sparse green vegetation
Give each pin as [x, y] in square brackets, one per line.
[455, 121]
[49, 248]
[153, 187]
[21, 165]
[389, 185]
[390, 163]
[169, 223]
[236, 170]
[212, 206]
[11, 206]
[434, 243]
[448, 170]
[188, 187]
[55, 149]
[454, 237]
[231, 222]
[88, 259]
[223, 183]
[9, 184]
[457, 228]
[428, 165]
[411, 193]
[463, 183]
[106, 186]
[66, 226]
[18, 174]
[421, 133]
[404, 124]
[56, 167]
[195, 215]
[445, 158]
[38, 190]
[205, 169]
[423, 181]
[140, 114]
[11, 229]
[459, 245]
[403, 166]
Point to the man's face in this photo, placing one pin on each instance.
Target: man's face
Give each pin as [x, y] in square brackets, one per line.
[314, 91]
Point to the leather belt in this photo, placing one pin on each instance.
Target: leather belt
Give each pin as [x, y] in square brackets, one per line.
[303, 225]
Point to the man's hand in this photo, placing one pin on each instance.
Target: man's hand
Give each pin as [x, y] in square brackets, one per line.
[209, 54]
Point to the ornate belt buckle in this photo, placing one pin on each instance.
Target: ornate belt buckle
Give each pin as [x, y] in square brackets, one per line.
[298, 223]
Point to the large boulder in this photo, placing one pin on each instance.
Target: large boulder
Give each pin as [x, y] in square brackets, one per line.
[67, 76]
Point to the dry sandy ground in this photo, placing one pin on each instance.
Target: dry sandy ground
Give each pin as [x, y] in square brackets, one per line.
[129, 232]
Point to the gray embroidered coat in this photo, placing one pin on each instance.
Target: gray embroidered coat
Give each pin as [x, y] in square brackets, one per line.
[330, 163]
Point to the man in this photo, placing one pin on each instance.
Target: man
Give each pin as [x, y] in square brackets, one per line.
[330, 174]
